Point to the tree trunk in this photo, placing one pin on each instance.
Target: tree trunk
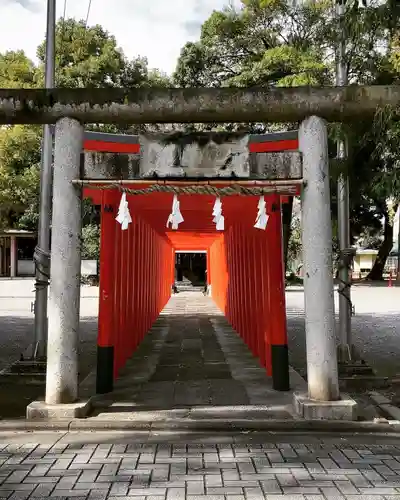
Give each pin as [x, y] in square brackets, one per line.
[376, 273]
[287, 210]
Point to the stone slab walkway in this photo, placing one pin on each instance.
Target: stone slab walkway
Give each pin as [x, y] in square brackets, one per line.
[100, 466]
[192, 359]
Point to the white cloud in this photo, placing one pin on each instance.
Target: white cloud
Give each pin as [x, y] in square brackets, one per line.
[152, 28]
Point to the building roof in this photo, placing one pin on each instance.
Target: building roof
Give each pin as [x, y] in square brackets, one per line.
[366, 251]
[17, 232]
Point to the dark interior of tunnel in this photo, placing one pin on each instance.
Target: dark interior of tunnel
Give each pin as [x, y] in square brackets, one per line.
[191, 267]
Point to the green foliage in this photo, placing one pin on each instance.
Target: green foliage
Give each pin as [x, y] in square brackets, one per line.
[85, 57]
[282, 43]
[19, 175]
[17, 71]
[249, 47]
[90, 242]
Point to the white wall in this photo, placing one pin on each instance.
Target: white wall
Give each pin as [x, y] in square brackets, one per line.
[27, 268]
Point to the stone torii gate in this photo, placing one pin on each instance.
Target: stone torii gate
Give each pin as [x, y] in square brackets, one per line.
[70, 109]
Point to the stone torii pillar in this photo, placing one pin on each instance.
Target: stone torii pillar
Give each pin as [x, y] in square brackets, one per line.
[64, 298]
[323, 400]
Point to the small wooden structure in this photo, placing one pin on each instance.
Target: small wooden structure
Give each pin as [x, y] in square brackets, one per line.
[14, 253]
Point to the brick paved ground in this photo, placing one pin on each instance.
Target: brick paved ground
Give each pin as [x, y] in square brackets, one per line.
[94, 467]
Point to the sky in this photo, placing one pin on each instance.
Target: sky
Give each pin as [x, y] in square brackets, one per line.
[156, 29]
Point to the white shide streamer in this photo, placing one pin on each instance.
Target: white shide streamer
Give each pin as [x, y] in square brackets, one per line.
[262, 217]
[218, 219]
[124, 216]
[175, 217]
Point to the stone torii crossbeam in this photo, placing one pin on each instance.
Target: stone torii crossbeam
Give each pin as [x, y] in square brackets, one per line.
[194, 105]
[70, 109]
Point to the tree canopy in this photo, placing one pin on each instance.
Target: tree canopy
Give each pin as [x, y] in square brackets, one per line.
[267, 43]
[281, 43]
[86, 57]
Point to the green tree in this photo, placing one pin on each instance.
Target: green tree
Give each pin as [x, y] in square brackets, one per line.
[283, 43]
[248, 47]
[19, 176]
[17, 71]
[91, 242]
[86, 57]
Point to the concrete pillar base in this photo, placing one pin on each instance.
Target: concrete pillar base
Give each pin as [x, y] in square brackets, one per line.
[39, 410]
[310, 409]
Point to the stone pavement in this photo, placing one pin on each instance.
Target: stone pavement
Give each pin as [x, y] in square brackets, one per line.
[100, 466]
[376, 329]
[192, 358]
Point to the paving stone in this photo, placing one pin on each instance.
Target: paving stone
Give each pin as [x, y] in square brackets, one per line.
[253, 480]
[193, 358]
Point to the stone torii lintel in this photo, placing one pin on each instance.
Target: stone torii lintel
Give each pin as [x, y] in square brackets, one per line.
[207, 105]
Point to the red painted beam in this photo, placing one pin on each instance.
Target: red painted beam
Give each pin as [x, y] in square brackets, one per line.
[274, 146]
[111, 147]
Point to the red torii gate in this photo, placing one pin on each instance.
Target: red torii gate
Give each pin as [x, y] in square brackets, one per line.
[244, 266]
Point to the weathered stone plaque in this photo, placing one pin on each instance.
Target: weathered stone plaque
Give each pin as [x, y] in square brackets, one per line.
[194, 156]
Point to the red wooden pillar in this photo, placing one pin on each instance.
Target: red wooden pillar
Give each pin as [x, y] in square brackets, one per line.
[141, 277]
[228, 256]
[124, 239]
[105, 339]
[245, 288]
[117, 297]
[254, 291]
[173, 269]
[125, 293]
[265, 312]
[137, 294]
[148, 280]
[268, 303]
[250, 282]
[258, 270]
[208, 281]
[279, 344]
[242, 298]
[129, 264]
[151, 284]
[136, 282]
[149, 272]
[131, 271]
[154, 271]
[160, 276]
[224, 275]
[234, 277]
[236, 291]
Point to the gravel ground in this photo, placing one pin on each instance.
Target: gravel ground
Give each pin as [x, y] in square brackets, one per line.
[16, 335]
[376, 328]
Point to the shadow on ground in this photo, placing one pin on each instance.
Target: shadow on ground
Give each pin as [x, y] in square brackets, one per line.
[16, 334]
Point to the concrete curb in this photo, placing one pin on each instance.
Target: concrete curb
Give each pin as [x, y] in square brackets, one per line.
[391, 411]
[238, 425]
[31, 425]
[231, 425]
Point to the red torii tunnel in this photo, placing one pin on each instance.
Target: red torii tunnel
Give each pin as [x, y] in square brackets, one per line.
[244, 265]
